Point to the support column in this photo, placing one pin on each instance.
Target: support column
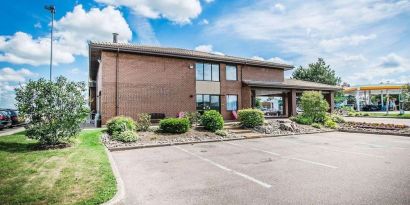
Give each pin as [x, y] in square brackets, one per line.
[330, 98]
[292, 102]
[358, 100]
[285, 104]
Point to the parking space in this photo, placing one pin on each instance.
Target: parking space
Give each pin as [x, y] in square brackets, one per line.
[326, 168]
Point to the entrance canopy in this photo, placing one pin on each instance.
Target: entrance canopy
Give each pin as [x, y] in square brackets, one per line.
[292, 84]
[287, 92]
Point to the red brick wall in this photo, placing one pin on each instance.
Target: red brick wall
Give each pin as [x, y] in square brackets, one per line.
[147, 84]
[262, 74]
[229, 87]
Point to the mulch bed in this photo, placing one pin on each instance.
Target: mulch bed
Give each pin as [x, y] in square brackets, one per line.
[155, 139]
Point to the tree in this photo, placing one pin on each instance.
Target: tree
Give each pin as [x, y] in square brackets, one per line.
[55, 110]
[319, 72]
[314, 106]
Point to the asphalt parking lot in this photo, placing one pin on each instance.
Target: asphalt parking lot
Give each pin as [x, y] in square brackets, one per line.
[326, 168]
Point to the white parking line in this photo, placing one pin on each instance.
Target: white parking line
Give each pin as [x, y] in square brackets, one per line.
[336, 150]
[268, 152]
[226, 168]
[292, 158]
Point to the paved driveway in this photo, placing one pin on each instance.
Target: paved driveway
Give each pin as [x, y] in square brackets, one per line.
[327, 168]
[379, 120]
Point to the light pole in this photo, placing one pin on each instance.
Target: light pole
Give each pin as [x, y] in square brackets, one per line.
[52, 10]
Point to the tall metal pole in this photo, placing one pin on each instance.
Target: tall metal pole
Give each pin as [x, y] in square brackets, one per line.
[52, 10]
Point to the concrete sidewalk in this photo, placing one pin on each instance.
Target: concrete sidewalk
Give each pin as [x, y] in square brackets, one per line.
[10, 131]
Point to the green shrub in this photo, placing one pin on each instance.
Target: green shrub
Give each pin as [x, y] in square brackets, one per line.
[212, 120]
[351, 114]
[366, 114]
[120, 124]
[314, 105]
[303, 119]
[125, 136]
[330, 124]
[143, 122]
[55, 109]
[221, 133]
[317, 125]
[337, 118]
[251, 117]
[174, 125]
[193, 117]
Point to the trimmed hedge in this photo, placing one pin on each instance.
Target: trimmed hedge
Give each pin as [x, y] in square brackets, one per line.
[251, 117]
[212, 120]
[174, 125]
[120, 124]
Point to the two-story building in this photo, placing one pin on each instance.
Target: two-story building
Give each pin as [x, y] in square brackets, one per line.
[128, 79]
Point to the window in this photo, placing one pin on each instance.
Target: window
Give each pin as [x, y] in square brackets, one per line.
[231, 72]
[207, 71]
[231, 102]
[215, 72]
[199, 71]
[208, 102]
[214, 102]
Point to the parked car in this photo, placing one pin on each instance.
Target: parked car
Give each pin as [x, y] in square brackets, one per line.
[14, 117]
[371, 108]
[5, 120]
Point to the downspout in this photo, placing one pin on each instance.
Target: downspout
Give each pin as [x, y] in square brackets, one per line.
[116, 82]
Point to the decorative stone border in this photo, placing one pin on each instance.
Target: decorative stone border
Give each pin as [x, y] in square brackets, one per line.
[374, 132]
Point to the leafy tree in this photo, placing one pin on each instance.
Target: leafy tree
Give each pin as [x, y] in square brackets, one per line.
[55, 110]
[319, 72]
[314, 106]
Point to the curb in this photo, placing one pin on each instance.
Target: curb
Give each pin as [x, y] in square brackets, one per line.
[209, 141]
[120, 195]
[378, 133]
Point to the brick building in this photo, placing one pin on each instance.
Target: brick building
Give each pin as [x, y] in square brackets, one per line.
[127, 79]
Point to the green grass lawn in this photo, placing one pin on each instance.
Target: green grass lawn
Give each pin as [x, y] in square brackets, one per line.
[390, 115]
[80, 174]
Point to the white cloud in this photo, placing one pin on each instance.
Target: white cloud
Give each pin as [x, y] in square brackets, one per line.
[385, 69]
[280, 7]
[11, 79]
[343, 32]
[208, 49]
[178, 11]
[144, 30]
[352, 40]
[257, 58]
[37, 25]
[273, 59]
[209, 1]
[204, 22]
[71, 34]
[10, 75]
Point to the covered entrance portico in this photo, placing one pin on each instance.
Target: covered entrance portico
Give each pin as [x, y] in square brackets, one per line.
[287, 93]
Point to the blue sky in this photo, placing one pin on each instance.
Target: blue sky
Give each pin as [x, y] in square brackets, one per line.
[365, 41]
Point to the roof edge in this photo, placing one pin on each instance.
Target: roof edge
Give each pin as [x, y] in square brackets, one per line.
[133, 48]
